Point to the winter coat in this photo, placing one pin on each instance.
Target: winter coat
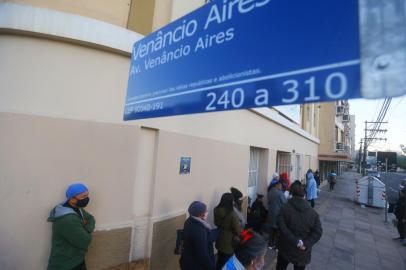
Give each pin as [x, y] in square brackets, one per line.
[276, 199]
[298, 221]
[317, 178]
[70, 237]
[332, 177]
[311, 187]
[257, 215]
[286, 182]
[229, 226]
[400, 208]
[198, 252]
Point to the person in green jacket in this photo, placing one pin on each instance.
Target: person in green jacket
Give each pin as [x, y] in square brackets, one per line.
[72, 229]
[229, 227]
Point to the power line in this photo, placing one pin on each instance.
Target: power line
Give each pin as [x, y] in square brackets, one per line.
[378, 122]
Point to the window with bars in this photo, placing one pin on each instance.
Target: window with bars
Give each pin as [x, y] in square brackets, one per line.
[283, 162]
[253, 168]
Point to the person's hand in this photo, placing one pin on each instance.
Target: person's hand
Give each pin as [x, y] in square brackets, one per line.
[300, 245]
[85, 222]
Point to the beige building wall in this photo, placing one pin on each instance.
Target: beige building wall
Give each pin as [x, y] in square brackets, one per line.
[141, 16]
[39, 158]
[327, 128]
[63, 122]
[181, 7]
[311, 118]
[112, 11]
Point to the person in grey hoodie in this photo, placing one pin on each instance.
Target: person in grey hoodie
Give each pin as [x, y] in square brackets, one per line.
[276, 199]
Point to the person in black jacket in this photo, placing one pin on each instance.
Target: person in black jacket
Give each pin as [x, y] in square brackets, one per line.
[300, 228]
[198, 252]
[400, 213]
[257, 214]
[317, 178]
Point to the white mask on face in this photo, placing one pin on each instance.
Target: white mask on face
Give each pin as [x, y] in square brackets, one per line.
[259, 265]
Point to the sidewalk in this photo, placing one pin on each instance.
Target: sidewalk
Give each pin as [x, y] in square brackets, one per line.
[354, 238]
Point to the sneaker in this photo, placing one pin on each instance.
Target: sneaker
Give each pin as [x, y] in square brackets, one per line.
[272, 247]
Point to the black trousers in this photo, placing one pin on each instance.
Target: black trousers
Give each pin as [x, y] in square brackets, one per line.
[311, 202]
[401, 228]
[273, 236]
[282, 264]
[332, 185]
[222, 258]
[81, 266]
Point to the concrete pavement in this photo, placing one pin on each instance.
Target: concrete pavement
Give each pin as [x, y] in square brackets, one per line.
[354, 238]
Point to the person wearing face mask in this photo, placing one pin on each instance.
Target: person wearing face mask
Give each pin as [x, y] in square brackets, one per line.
[198, 251]
[72, 229]
[249, 254]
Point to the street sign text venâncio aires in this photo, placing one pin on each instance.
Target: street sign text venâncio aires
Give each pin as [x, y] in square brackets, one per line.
[243, 54]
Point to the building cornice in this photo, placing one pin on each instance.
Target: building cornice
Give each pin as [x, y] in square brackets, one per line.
[28, 20]
[282, 121]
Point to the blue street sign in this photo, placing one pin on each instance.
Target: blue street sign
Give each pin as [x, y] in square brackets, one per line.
[235, 54]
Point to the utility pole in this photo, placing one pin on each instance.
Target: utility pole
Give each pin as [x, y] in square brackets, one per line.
[369, 139]
[364, 155]
[359, 157]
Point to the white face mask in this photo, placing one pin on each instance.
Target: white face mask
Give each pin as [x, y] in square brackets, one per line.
[259, 265]
[401, 187]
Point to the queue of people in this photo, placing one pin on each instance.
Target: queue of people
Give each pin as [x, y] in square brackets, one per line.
[294, 228]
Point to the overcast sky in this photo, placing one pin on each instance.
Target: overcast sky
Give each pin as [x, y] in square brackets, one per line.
[367, 110]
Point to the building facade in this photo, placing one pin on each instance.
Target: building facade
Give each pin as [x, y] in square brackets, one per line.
[63, 77]
[353, 150]
[335, 137]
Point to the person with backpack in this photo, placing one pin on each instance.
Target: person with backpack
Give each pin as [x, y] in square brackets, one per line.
[229, 226]
[332, 179]
[198, 251]
[249, 254]
[300, 229]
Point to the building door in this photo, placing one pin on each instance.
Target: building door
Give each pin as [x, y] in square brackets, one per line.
[253, 174]
[283, 163]
[298, 167]
[307, 162]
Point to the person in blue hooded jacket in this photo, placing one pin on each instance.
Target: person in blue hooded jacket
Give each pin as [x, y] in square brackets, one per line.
[311, 187]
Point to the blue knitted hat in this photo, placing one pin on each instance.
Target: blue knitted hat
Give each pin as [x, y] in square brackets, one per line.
[75, 189]
[197, 208]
